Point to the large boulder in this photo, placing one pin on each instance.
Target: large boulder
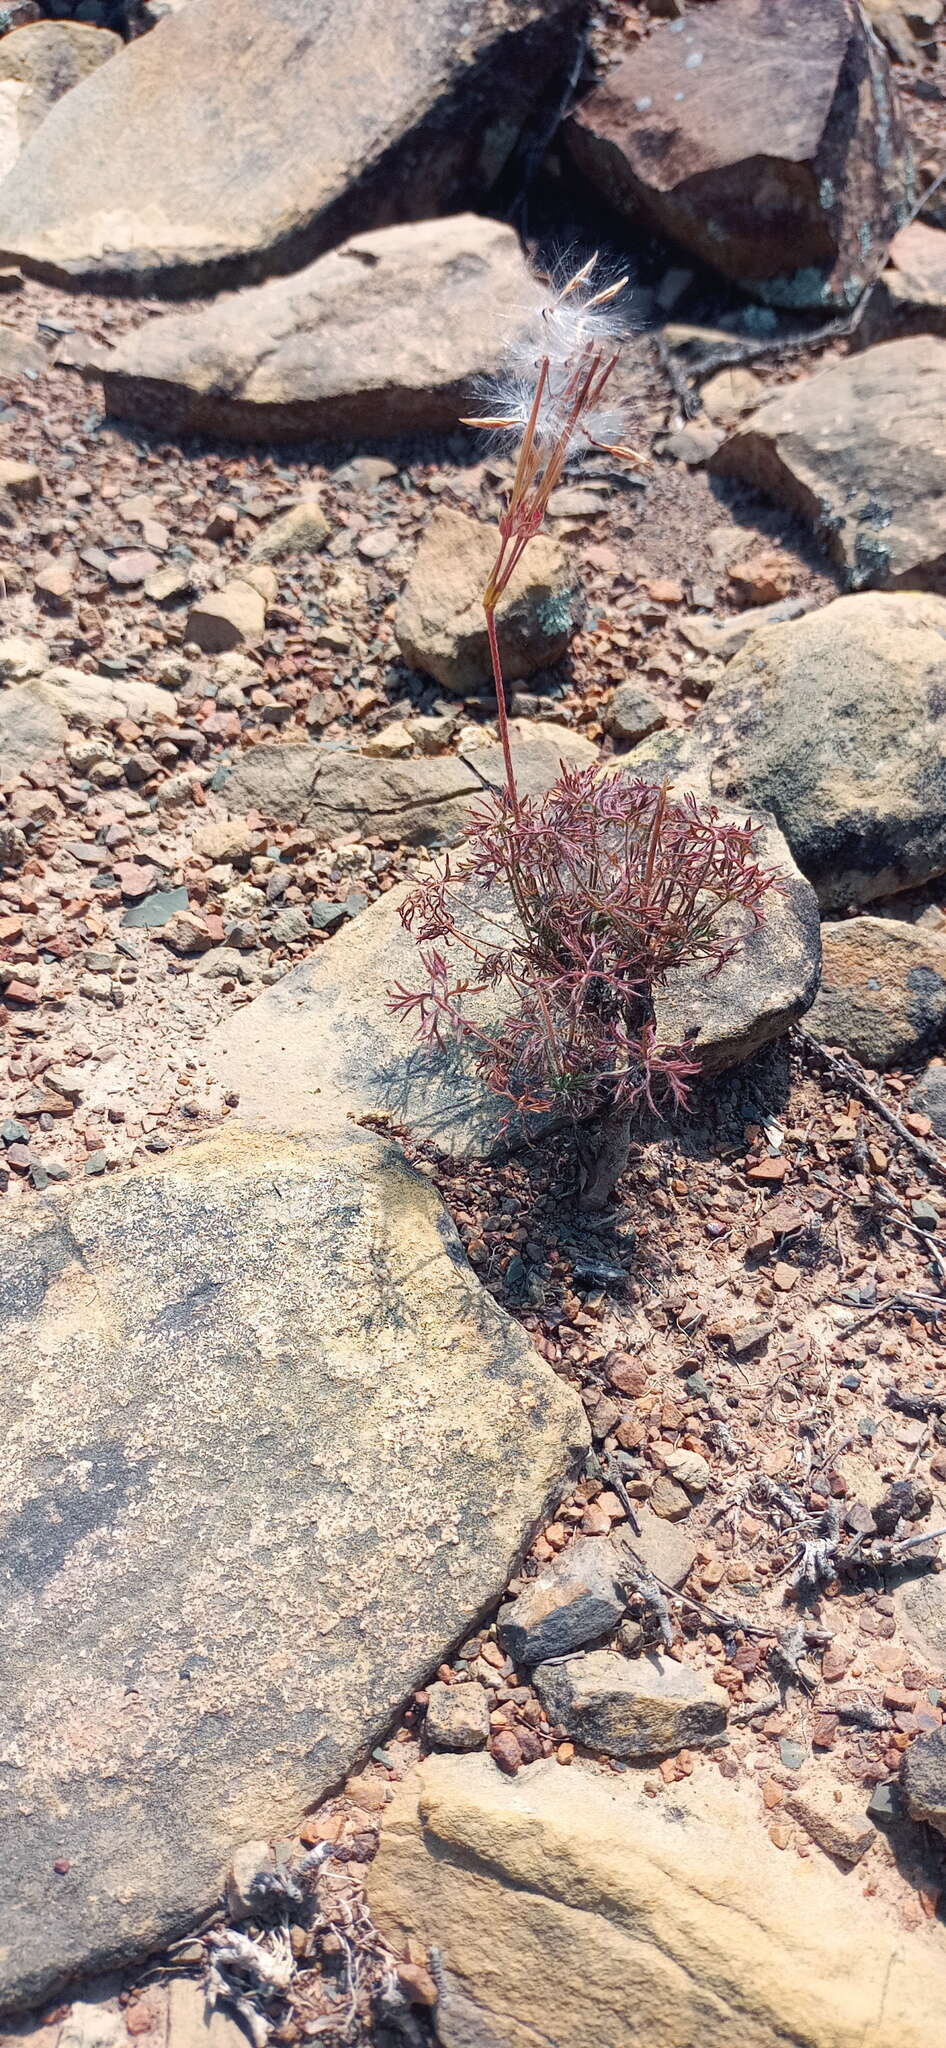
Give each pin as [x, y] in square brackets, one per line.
[335, 791]
[766, 141]
[439, 622]
[382, 336]
[854, 450]
[836, 723]
[37, 65]
[322, 1045]
[264, 1461]
[572, 1908]
[883, 990]
[243, 139]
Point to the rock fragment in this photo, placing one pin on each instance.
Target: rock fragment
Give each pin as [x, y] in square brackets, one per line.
[457, 1716]
[883, 990]
[576, 1600]
[923, 1777]
[303, 529]
[228, 618]
[640, 1707]
[439, 621]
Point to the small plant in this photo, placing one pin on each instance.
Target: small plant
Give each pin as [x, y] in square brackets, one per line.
[579, 903]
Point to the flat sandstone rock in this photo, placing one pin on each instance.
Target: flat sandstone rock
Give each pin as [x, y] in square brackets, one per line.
[855, 449]
[568, 1907]
[242, 140]
[264, 1438]
[382, 336]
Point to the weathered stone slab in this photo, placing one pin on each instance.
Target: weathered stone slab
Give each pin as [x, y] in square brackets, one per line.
[338, 790]
[383, 336]
[37, 65]
[855, 450]
[264, 1465]
[836, 724]
[241, 141]
[883, 990]
[37, 714]
[767, 140]
[568, 1907]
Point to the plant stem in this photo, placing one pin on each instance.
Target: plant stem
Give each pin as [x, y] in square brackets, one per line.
[503, 721]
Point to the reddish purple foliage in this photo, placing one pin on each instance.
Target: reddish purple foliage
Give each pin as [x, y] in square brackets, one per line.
[614, 883]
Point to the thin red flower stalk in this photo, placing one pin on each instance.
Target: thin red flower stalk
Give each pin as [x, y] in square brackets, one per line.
[570, 384]
[598, 891]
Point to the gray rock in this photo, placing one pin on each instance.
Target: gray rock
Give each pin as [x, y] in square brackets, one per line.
[321, 1044]
[289, 926]
[382, 336]
[439, 622]
[632, 714]
[725, 637]
[645, 1706]
[929, 1097]
[457, 1716]
[177, 166]
[264, 1460]
[835, 723]
[335, 790]
[693, 443]
[303, 529]
[37, 65]
[31, 730]
[228, 618]
[769, 144]
[571, 1603]
[883, 990]
[923, 1777]
[852, 449]
[157, 909]
[920, 1605]
[664, 1547]
[20, 357]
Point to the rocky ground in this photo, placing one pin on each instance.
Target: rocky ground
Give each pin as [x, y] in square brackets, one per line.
[237, 708]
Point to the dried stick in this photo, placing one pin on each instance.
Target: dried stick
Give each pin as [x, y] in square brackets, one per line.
[843, 1069]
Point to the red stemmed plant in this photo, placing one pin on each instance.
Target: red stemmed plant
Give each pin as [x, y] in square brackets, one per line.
[580, 903]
